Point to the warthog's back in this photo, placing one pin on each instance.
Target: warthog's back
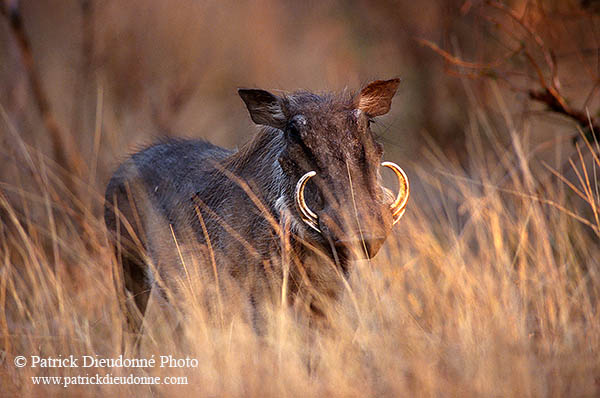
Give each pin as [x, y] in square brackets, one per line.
[167, 174]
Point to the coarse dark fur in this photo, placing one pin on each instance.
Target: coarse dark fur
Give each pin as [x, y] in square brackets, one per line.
[238, 206]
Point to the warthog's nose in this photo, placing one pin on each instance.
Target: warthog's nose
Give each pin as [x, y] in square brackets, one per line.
[356, 246]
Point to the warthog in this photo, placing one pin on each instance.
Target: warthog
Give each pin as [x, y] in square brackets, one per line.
[289, 210]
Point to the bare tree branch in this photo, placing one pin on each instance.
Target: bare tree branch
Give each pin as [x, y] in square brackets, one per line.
[547, 98]
[549, 94]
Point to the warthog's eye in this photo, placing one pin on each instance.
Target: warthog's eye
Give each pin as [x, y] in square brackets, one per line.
[297, 124]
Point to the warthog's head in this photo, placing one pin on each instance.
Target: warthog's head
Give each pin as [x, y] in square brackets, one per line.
[331, 163]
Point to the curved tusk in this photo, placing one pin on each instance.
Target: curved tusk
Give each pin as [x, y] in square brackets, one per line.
[307, 215]
[399, 205]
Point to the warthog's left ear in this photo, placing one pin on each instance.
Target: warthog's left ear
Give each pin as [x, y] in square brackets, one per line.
[265, 108]
[376, 98]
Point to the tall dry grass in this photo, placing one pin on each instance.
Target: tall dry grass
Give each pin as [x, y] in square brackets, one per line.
[489, 287]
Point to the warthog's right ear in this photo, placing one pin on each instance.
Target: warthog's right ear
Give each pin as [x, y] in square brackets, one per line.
[376, 98]
[265, 108]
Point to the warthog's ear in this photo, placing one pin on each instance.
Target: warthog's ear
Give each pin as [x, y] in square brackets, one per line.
[265, 108]
[376, 98]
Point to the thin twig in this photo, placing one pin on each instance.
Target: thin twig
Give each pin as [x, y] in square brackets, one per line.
[459, 62]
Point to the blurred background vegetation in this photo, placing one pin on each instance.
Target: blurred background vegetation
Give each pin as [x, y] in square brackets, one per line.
[152, 68]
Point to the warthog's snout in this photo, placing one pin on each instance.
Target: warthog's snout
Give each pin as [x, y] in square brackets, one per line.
[355, 238]
[365, 246]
